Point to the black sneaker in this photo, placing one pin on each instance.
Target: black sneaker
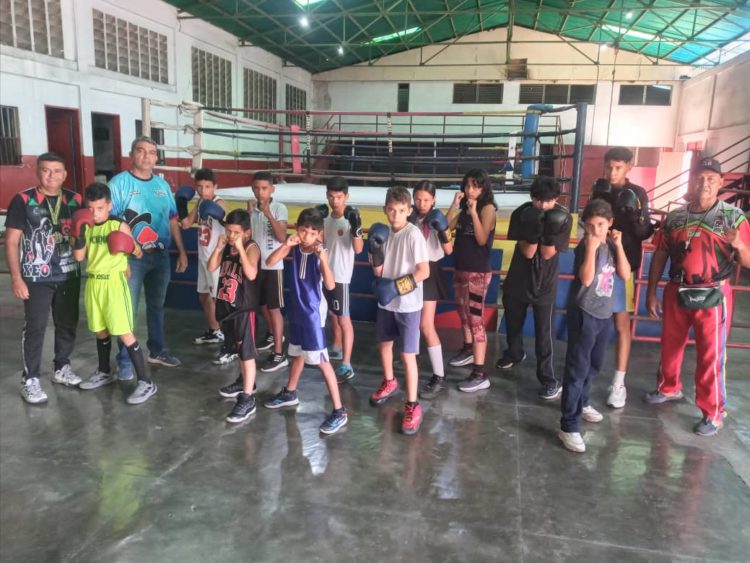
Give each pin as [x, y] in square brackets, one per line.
[210, 337]
[432, 388]
[550, 392]
[475, 382]
[274, 362]
[266, 344]
[283, 398]
[507, 363]
[234, 389]
[243, 409]
[463, 358]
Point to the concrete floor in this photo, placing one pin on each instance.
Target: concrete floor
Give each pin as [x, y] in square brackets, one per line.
[89, 478]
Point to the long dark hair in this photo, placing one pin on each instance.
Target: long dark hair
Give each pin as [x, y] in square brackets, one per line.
[481, 179]
[424, 186]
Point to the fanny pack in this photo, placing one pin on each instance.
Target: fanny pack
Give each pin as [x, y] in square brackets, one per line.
[700, 296]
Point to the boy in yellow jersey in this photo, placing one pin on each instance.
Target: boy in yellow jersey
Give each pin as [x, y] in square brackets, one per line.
[107, 241]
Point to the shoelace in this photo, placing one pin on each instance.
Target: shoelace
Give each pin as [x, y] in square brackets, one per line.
[409, 413]
[34, 387]
[383, 386]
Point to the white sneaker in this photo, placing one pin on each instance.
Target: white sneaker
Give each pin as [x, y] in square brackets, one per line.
[142, 392]
[66, 376]
[98, 379]
[572, 441]
[32, 391]
[617, 396]
[225, 358]
[590, 414]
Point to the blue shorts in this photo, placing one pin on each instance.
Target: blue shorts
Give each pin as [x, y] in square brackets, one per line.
[404, 327]
[623, 296]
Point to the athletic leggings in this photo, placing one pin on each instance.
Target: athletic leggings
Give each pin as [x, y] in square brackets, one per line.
[471, 289]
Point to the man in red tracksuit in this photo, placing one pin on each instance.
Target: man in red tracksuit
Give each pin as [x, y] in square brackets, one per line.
[703, 240]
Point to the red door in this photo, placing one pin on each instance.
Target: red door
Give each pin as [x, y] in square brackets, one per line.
[64, 138]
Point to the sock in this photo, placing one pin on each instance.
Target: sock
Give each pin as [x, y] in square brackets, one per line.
[103, 350]
[468, 347]
[478, 369]
[139, 364]
[436, 359]
[412, 403]
[619, 378]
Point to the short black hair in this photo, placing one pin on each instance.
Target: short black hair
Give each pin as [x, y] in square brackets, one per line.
[597, 208]
[49, 157]
[238, 217]
[97, 191]
[263, 175]
[545, 188]
[337, 184]
[619, 154]
[398, 194]
[205, 174]
[311, 218]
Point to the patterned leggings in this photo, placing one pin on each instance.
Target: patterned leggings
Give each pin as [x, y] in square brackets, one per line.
[471, 289]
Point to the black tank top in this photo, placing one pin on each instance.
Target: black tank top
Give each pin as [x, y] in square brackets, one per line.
[469, 256]
[236, 293]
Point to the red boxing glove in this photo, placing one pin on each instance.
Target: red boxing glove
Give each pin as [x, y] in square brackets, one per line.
[118, 241]
[82, 217]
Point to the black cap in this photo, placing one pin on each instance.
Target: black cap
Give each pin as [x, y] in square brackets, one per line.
[708, 164]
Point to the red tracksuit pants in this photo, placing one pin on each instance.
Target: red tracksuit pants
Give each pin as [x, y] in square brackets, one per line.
[711, 327]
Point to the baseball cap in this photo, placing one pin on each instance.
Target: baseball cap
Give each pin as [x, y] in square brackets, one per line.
[708, 164]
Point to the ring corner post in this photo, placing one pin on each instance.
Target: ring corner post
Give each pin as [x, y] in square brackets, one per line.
[580, 135]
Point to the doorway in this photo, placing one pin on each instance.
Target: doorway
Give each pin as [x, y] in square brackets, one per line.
[105, 129]
[64, 138]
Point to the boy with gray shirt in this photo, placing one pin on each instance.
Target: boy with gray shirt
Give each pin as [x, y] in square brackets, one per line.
[597, 257]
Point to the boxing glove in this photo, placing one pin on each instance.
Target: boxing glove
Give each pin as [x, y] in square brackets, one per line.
[208, 208]
[181, 198]
[531, 224]
[628, 203]
[117, 242]
[377, 236]
[555, 222]
[82, 218]
[439, 223]
[413, 216]
[603, 190]
[352, 215]
[386, 290]
[322, 209]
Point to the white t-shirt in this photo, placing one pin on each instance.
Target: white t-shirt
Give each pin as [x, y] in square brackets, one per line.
[403, 251]
[340, 250]
[435, 250]
[209, 231]
[263, 233]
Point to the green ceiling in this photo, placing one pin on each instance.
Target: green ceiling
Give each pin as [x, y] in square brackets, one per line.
[341, 32]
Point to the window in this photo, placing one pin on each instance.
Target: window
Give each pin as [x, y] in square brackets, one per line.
[212, 80]
[121, 46]
[645, 95]
[296, 98]
[157, 134]
[402, 102]
[33, 25]
[10, 137]
[260, 93]
[557, 93]
[477, 93]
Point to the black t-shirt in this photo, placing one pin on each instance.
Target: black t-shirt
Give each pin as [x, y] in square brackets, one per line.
[534, 280]
[634, 232]
[468, 255]
[44, 222]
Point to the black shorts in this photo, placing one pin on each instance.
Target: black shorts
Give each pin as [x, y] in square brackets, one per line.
[272, 288]
[338, 300]
[239, 335]
[434, 288]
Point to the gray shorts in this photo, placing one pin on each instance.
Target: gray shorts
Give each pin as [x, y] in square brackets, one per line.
[401, 327]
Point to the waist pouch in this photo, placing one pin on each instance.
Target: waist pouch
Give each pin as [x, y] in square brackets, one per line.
[700, 297]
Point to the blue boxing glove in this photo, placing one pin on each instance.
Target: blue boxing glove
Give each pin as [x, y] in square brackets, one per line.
[322, 209]
[351, 214]
[181, 198]
[437, 221]
[208, 208]
[387, 290]
[377, 236]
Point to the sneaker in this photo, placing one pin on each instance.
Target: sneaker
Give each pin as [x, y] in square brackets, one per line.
[164, 358]
[142, 392]
[66, 376]
[125, 372]
[708, 427]
[225, 358]
[507, 363]
[387, 388]
[336, 354]
[657, 397]
[344, 373]
[335, 421]
[572, 441]
[475, 382]
[210, 337]
[32, 391]
[233, 389]
[98, 379]
[243, 409]
[412, 419]
[274, 362]
[464, 357]
[550, 392]
[283, 398]
[267, 343]
[590, 414]
[617, 396]
[432, 388]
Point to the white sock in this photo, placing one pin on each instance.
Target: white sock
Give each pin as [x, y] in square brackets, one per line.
[436, 359]
[619, 378]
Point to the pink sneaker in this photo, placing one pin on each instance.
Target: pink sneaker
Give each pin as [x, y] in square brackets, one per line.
[412, 419]
[387, 388]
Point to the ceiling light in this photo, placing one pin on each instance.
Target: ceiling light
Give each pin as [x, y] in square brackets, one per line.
[629, 15]
[304, 22]
[603, 47]
[304, 3]
[340, 50]
[393, 35]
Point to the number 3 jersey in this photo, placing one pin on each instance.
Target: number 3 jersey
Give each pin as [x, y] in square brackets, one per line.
[236, 293]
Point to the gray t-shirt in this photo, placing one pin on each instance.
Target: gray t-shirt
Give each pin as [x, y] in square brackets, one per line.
[596, 299]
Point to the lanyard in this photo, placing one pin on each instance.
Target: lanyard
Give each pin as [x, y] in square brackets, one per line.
[54, 212]
[690, 235]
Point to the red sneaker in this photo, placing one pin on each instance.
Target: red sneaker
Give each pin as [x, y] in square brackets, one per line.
[386, 389]
[412, 419]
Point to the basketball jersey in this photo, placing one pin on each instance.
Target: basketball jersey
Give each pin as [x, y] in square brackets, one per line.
[209, 231]
[307, 308]
[100, 261]
[340, 250]
[236, 293]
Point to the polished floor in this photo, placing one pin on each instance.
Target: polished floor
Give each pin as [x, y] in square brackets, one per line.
[89, 478]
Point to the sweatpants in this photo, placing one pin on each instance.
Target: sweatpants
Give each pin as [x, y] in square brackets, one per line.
[515, 314]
